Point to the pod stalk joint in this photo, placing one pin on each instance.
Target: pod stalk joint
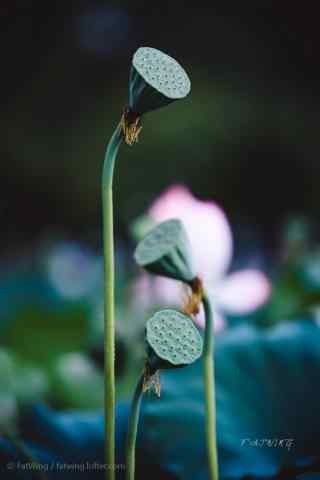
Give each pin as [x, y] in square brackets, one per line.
[194, 299]
[130, 126]
[151, 380]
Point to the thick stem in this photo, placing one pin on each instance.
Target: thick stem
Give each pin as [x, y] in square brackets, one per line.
[209, 389]
[109, 336]
[132, 430]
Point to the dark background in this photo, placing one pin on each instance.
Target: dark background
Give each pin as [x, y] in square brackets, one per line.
[247, 137]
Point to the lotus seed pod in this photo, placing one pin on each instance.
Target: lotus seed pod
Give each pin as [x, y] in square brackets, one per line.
[155, 80]
[173, 340]
[165, 251]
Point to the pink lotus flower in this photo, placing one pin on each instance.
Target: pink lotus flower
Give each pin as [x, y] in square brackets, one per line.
[212, 248]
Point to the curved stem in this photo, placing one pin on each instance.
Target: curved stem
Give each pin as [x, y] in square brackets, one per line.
[209, 389]
[132, 430]
[110, 157]
[109, 340]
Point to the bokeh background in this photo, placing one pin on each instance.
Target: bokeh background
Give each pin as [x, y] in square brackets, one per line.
[248, 131]
[247, 138]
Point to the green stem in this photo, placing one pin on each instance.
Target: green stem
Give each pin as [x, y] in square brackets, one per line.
[132, 430]
[209, 389]
[109, 335]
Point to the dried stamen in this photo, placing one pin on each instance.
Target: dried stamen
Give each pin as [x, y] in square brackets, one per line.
[194, 298]
[131, 127]
[151, 381]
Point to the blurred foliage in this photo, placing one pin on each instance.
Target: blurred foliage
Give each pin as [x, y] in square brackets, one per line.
[51, 329]
[296, 286]
[249, 124]
[40, 330]
[266, 388]
[51, 319]
[51, 334]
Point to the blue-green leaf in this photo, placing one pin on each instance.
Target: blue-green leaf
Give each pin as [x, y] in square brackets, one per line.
[267, 387]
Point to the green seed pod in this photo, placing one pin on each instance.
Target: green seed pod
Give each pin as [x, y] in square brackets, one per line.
[165, 251]
[155, 80]
[173, 340]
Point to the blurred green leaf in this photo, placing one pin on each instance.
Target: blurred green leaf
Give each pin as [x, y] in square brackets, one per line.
[8, 404]
[77, 382]
[267, 388]
[39, 335]
[31, 384]
[20, 384]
